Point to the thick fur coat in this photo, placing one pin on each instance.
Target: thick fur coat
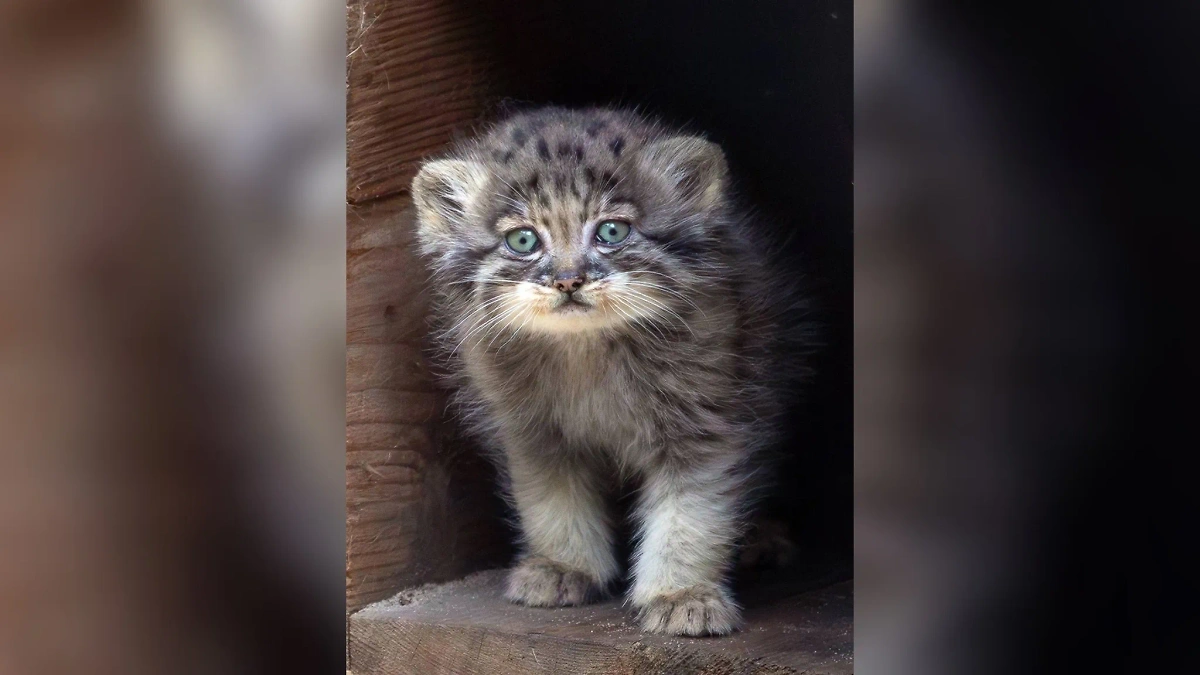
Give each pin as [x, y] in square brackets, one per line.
[606, 317]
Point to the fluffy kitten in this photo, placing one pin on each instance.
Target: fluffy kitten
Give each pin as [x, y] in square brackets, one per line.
[608, 317]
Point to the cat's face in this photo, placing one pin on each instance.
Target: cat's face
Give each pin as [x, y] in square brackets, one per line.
[564, 235]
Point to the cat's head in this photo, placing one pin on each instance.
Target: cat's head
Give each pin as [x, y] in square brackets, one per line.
[566, 222]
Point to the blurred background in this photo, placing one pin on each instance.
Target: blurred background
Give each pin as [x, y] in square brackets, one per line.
[172, 322]
[1015, 501]
[172, 326]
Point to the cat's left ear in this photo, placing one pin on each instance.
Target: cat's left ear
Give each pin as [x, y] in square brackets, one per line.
[692, 167]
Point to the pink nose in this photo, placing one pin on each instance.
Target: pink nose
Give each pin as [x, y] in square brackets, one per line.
[569, 284]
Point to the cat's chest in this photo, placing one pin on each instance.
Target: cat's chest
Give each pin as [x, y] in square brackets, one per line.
[587, 393]
[590, 397]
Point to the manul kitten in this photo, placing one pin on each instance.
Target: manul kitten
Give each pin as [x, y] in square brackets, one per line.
[609, 318]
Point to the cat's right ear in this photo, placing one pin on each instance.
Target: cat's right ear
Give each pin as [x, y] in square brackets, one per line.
[444, 192]
[691, 167]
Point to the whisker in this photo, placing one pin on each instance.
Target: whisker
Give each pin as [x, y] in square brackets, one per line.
[507, 324]
[655, 303]
[481, 308]
[497, 282]
[481, 328]
[663, 289]
[630, 305]
[528, 317]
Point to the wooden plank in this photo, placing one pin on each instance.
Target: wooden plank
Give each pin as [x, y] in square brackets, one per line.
[387, 300]
[387, 222]
[417, 72]
[467, 627]
[421, 505]
[388, 444]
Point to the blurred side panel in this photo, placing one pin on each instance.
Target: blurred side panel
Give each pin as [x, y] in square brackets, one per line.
[171, 336]
[995, 345]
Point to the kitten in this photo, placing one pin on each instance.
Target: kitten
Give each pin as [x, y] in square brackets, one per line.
[608, 317]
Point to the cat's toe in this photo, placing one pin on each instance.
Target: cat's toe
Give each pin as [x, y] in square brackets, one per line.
[541, 582]
[696, 611]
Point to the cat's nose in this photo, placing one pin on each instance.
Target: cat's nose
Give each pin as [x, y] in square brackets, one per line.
[568, 282]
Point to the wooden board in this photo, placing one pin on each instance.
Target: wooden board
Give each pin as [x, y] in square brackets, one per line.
[467, 627]
[417, 72]
[420, 506]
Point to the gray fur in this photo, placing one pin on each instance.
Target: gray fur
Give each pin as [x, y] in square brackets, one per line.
[673, 381]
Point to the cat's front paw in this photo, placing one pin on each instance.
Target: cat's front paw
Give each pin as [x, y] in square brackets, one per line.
[695, 611]
[541, 582]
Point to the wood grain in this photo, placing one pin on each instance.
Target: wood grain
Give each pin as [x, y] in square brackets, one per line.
[467, 627]
[420, 506]
[417, 72]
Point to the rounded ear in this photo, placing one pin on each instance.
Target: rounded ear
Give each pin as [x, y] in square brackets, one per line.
[443, 192]
[692, 166]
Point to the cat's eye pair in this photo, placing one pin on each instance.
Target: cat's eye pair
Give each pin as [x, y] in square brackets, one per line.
[524, 241]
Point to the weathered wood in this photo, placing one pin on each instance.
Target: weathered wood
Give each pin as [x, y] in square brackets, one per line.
[467, 627]
[386, 298]
[418, 71]
[420, 506]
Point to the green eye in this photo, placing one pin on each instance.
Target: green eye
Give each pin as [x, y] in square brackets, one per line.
[522, 241]
[613, 231]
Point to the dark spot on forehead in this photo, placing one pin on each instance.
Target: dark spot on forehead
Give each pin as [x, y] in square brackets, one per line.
[590, 175]
[504, 157]
[532, 183]
[617, 144]
[543, 149]
[579, 153]
[594, 128]
[519, 136]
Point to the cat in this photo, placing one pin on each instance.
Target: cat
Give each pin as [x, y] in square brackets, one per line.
[608, 316]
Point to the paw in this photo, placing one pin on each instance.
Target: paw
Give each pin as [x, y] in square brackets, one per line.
[541, 582]
[695, 611]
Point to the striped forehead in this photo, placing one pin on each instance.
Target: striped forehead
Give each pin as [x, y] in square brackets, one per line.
[562, 215]
[559, 200]
[559, 175]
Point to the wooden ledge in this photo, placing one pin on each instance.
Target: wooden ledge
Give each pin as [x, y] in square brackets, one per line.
[466, 627]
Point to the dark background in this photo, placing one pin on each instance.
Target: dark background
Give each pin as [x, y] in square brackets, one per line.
[772, 83]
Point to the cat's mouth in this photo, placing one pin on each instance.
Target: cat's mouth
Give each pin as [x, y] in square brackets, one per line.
[572, 305]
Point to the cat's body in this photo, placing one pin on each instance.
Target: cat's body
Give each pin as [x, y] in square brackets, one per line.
[638, 340]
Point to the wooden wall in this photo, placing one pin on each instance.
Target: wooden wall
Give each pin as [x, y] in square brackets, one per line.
[420, 506]
[417, 71]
